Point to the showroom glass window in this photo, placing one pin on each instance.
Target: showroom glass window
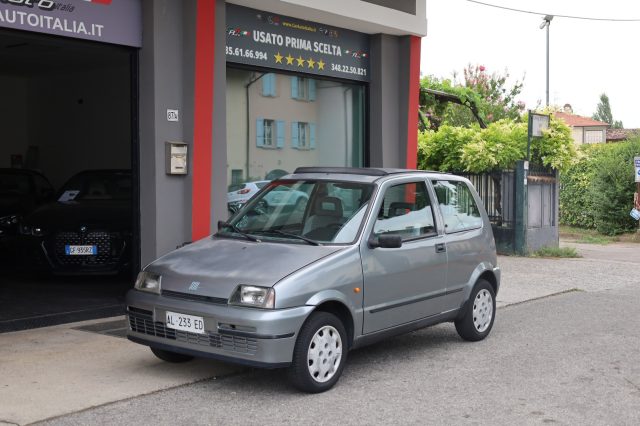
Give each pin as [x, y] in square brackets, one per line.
[277, 122]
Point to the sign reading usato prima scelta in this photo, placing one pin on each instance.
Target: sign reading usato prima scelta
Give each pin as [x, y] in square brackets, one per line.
[109, 21]
[275, 41]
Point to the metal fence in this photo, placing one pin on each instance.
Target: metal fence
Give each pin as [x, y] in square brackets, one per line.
[497, 191]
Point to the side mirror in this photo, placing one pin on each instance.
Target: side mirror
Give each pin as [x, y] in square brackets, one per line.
[385, 241]
[221, 224]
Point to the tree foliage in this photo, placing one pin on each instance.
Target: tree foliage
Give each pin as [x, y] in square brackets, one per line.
[597, 190]
[489, 93]
[603, 113]
[499, 146]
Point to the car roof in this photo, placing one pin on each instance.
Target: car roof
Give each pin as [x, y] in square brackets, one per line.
[359, 174]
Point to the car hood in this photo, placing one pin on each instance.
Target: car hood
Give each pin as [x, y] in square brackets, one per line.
[111, 214]
[221, 264]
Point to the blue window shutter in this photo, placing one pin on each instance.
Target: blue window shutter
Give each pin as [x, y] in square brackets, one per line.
[312, 89]
[280, 134]
[312, 135]
[269, 84]
[272, 82]
[294, 87]
[294, 134]
[260, 132]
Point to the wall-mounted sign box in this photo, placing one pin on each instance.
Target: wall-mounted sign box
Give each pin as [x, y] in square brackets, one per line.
[177, 159]
[107, 21]
[269, 40]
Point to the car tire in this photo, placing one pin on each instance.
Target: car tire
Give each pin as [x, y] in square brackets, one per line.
[320, 353]
[478, 313]
[172, 357]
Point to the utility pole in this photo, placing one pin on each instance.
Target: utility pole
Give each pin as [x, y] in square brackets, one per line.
[546, 22]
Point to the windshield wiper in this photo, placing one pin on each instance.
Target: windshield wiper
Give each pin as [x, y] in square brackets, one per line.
[238, 231]
[287, 234]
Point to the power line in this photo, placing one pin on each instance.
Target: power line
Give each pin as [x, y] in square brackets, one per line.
[586, 18]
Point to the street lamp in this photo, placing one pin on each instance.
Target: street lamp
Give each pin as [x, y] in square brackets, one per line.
[546, 22]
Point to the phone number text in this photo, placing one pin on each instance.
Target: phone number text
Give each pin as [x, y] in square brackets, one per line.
[348, 69]
[247, 53]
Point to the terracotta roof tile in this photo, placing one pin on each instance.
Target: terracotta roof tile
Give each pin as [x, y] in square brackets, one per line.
[615, 135]
[578, 121]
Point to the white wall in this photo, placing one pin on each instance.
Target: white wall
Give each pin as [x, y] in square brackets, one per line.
[80, 121]
[13, 118]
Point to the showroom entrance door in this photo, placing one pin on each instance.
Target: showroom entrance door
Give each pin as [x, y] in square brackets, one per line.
[69, 228]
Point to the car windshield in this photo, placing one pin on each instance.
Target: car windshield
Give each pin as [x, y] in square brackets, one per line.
[97, 186]
[303, 211]
[14, 184]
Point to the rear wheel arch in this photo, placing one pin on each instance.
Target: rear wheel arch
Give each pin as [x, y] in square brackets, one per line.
[491, 278]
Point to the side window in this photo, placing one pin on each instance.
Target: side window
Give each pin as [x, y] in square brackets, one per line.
[406, 211]
[459, 209]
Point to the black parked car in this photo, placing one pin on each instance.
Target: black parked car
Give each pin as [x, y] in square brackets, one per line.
[21, 191]
[87, 230]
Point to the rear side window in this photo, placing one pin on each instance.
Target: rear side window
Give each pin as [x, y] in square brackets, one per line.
[459, 209]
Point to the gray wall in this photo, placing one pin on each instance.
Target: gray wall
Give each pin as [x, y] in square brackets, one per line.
[408, 6]
[388, 100]
[166, 82]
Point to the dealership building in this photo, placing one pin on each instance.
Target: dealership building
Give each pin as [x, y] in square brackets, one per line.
[194, 96]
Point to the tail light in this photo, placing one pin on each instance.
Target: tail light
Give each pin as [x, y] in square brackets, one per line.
[244, 191]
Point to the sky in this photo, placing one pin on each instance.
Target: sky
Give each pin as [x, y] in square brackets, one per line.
[587, 58]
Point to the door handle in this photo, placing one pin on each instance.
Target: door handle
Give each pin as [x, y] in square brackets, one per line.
[441, 248]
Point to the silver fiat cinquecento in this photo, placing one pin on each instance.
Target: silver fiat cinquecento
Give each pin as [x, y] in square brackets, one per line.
[297, 282]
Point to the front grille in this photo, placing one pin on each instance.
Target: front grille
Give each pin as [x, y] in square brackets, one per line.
[109, 247]
[194, 297]
[141, 321]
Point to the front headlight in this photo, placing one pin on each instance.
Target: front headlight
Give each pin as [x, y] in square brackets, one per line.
[253, 296]
[35, 231]
[148, 281]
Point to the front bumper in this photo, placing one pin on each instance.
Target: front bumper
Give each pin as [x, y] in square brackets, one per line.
[256, 337]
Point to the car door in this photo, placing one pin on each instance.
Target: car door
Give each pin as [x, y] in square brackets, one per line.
[464, 236]
[407, 283]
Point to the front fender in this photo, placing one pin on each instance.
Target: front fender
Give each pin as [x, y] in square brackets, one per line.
[329, 296]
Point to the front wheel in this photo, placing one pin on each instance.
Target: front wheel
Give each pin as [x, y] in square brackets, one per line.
[319, 354]
[479, 313]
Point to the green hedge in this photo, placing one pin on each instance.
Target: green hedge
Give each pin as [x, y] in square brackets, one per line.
[597, 191]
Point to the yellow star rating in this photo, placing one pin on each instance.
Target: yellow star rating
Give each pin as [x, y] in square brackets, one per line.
[311, 62]
[289, 59]
[278, 57]
[300, 61]
[320, 64]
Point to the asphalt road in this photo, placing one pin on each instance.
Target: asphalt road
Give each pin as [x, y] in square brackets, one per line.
[571, 358]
